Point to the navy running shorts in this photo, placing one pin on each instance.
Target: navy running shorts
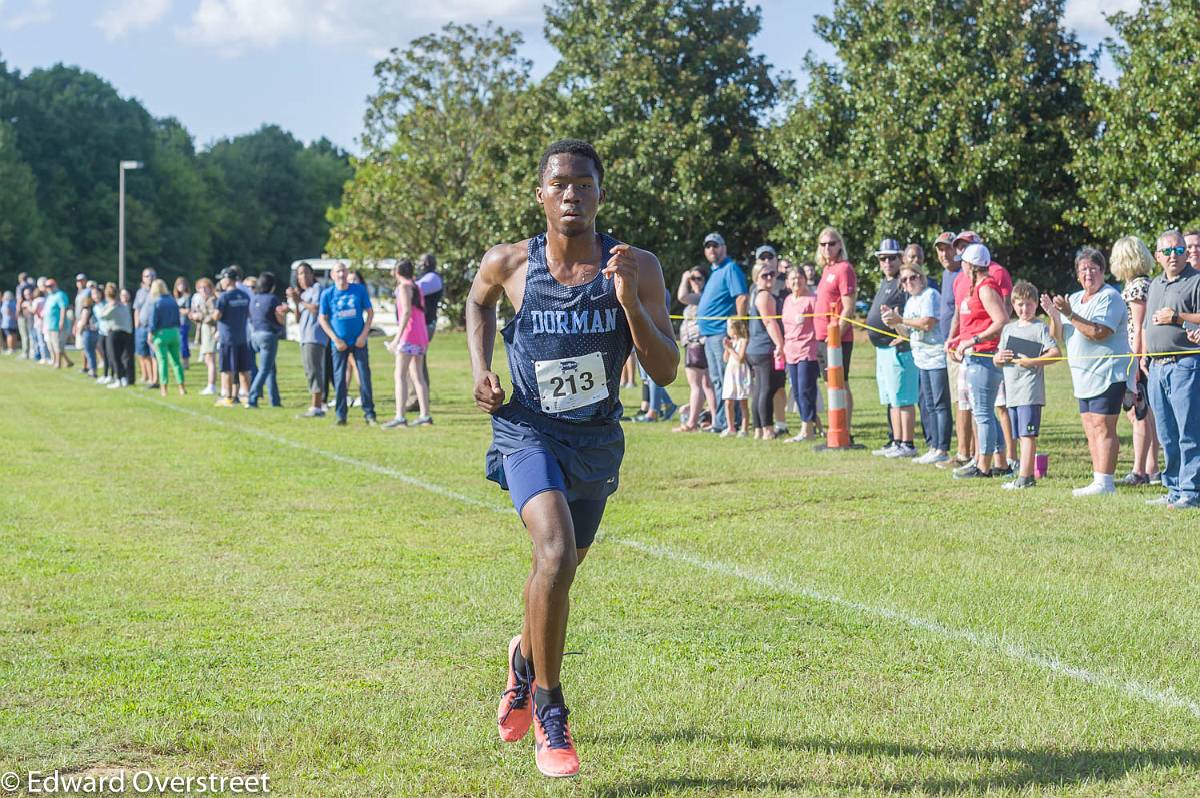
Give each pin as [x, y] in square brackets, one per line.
[532, 453]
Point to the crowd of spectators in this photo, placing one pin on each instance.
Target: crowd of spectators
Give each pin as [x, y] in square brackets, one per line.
[235, 322]
[963, 351]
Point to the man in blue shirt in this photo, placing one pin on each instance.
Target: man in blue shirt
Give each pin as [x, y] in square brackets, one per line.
[55, 314]
[724, 295]
[232, 314]
[343, 306]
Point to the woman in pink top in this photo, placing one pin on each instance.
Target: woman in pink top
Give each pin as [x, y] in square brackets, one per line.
[800, 349]
[409, 346]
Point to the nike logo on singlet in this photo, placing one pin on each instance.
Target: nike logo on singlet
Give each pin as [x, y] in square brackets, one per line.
[562, 322]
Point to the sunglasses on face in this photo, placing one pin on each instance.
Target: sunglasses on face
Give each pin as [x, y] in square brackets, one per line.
[764, 275]
[711, 245]
[829, 243]
[886, 258]
[1173, 250]
[767, 256]
[912, 278]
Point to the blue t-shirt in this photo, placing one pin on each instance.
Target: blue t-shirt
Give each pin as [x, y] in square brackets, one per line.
[163, 313]
[311, 331]
[1091, 377]
[725, 284]
[55, 310]
[345, 309]
[234, 306]
[262, 314]
[8, 314]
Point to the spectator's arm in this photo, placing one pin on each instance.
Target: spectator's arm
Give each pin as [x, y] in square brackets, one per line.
[366, 330]
[685, 296]
[741, 304]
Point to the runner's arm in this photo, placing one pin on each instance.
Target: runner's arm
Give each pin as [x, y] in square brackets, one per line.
[642, 292]
[482, 300]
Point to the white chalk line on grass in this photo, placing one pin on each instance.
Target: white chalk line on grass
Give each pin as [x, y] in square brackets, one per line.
[1163, 697]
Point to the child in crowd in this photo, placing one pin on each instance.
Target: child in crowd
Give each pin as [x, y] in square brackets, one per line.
[1025, 344]
[8, 322]
[735, 390]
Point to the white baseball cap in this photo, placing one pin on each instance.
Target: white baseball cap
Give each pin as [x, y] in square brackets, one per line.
[977, 255]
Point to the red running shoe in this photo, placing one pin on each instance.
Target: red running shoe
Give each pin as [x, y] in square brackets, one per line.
[516, 702]
[553, 748]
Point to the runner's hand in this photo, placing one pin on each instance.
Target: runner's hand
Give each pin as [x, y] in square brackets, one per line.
[622, 267]
[488, 393]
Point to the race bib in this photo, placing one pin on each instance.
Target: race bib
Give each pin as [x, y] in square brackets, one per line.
[571, 382]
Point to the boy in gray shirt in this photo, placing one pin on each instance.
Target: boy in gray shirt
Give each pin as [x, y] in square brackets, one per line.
[1025, 346]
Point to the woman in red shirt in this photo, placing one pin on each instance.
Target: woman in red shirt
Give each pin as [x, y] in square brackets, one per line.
[982, 316]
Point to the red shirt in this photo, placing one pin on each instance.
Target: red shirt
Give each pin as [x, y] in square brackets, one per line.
[836, 281]
[962, 283]
[973, 317]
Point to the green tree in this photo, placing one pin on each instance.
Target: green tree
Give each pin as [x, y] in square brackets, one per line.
[451, 144]
[672, 96]
[271, 194]
[22, 229]
[942, 114]
[1136, 156]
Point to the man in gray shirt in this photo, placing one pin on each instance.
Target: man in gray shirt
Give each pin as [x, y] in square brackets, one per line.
[1173, 325]
[141, 333]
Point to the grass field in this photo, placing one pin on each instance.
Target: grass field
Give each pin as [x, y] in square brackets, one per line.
[195, 590]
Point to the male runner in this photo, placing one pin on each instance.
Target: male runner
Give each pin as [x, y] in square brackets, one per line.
[581, 301]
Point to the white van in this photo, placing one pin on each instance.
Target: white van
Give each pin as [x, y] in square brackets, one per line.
[376, 274]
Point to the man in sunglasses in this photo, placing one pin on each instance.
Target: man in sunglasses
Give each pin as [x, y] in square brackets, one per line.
[724, 295]
[1173, 325]
[895, 370]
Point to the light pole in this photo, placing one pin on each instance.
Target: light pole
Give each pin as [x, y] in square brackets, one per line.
[121, 223]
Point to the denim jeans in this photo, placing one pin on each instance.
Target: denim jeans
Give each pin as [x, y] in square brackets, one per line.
[87, 342]
[658, 398]
[803, 377]
[266, 344]
[364, 379]
[935, 407]
[983, 383]
[1174, 390]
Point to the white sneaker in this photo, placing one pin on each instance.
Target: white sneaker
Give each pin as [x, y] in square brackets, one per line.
[883, 451]
[902, 450]
[114, 385]
[1095, 489]
[925, 459]
[104, 380]
[209, 390]
[799, 438]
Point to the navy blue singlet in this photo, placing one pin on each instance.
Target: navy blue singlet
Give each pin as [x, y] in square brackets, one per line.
[561, 323]
[561, 429]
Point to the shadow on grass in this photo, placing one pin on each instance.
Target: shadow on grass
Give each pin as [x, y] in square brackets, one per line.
[1025, 768]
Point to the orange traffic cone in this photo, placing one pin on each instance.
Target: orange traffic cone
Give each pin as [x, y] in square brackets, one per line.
[837, 434]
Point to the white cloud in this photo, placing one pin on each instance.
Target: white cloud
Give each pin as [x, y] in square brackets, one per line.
[128, 15]
[1087, 16]
[235, 26]
[35, 12]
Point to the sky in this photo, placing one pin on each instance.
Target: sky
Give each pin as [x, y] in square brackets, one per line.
[226, 67]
